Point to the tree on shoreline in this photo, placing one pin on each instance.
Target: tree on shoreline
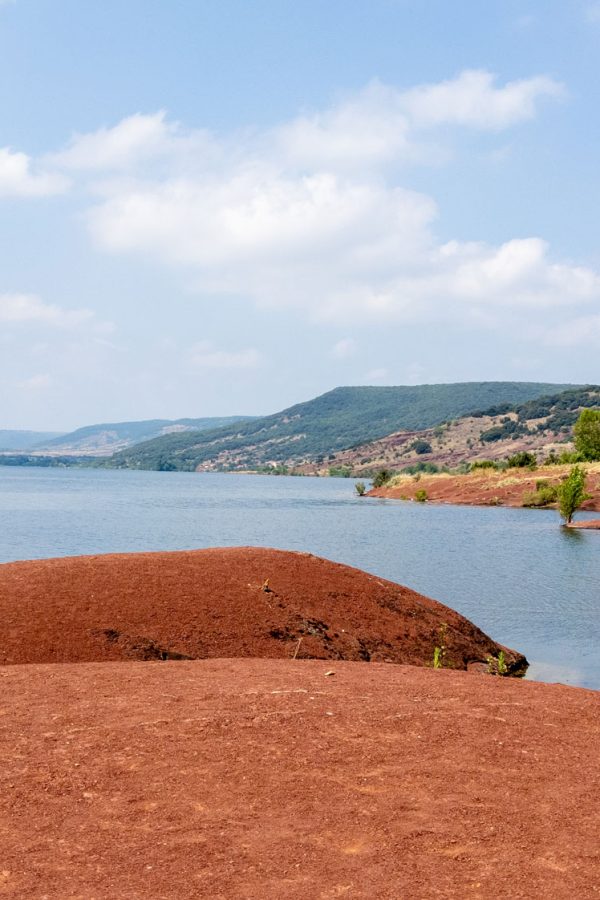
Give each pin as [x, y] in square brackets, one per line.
[572, 493]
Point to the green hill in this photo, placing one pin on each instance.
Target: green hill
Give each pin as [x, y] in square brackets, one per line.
[309, 431]
[542, 426]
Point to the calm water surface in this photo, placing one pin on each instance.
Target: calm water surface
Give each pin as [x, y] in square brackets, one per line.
[529, 583]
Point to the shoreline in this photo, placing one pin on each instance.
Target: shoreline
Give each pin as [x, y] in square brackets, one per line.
[487, 487]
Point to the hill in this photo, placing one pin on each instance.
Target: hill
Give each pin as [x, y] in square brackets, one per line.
[11, 440]
[310, 431]
[543, 426]
[107, 438]
[226, 602]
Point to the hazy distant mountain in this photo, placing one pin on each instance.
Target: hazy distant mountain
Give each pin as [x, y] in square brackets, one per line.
[107, 438]
[339, 419]
[24, 440]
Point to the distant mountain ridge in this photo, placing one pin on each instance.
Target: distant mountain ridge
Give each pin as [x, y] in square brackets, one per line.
[15, 439]
[107, 438]
[339, 419]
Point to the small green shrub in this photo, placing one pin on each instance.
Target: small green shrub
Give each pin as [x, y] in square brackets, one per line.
[340, 471]
[421, 447]
[484, 464]
[421, 495]
[382, 477]
[522, 460]
[427, 468]
[544, 494]
[439, 651]
[360, 488]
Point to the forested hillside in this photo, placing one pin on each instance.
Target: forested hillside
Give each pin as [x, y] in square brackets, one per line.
[309, 432]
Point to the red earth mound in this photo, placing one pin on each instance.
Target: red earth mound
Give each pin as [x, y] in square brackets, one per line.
[270, 779]
[232, 602]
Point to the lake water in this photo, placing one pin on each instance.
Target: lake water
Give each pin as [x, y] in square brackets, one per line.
[527, 582]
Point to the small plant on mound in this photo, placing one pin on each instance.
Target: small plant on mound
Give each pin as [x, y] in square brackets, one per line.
[360, 488]
[572, 493]
[421, 495]
[497, 666]
[439, 651]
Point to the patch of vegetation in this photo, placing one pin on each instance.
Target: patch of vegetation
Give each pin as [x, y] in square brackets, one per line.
[421, 495]
[421, 468]
[522, 460]
[544, 494]
[508, 428]
[421, 447]
[360, 488]
[587, 434]
[340, 471]
[382, 477]
[484, 464]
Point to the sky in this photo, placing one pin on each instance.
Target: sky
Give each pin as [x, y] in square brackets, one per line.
[227, 208]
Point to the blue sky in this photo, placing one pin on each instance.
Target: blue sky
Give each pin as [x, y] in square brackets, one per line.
[219, 208]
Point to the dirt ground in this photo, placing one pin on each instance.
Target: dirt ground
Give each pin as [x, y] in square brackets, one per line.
[487, 487]
[226, 602]
[280, 779]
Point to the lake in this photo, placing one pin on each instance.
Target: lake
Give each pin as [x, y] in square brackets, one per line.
[520, 577]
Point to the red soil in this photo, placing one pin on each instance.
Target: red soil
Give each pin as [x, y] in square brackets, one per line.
[487, 487]
[213, 603]
[593, 524]
[271, 779]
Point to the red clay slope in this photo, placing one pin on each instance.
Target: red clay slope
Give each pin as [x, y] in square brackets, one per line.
[215, 603]
[269, 780]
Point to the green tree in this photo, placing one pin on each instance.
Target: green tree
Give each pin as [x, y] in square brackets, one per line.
[571, 493]
[587, 434]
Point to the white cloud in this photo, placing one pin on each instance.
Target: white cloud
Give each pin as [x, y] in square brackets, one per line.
[28, 308]
[310, 214]
[31, 310]
[132, 140]
[18, 180]
[204, 355]
[472, 100]
[344, 348]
